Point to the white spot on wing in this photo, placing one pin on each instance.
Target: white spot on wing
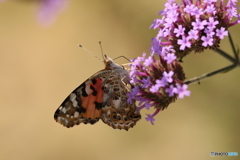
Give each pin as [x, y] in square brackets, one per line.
[72, 96]
[64, 110]
[117, 103]
[88, 89]
[76, 114]
[73, 99]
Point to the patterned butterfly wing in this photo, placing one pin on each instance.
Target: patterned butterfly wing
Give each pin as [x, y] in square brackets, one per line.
[117, 112]
[104, 95]
[83, 105]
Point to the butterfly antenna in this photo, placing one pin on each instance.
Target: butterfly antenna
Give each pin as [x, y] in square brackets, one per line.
[90, 52]
[100, 43]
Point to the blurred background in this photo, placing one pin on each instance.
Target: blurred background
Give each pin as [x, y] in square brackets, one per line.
[40, 64]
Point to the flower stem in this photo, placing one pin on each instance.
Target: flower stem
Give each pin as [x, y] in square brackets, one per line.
[225, 55]
[222, 70]
[234, 60]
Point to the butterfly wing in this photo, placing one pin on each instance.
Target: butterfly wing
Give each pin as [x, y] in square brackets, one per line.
[83, 105]
[116, 111]
[104, 96]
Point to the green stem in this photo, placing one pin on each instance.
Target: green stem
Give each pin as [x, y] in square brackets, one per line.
[225, 69]
[225, 55]
[235, 62]
[233, 48]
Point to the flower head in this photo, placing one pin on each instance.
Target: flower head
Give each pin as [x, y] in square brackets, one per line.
[194, 25]
[156, 83]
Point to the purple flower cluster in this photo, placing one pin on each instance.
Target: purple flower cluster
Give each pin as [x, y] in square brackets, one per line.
[158, 82]
[189, 26]
[194, 26]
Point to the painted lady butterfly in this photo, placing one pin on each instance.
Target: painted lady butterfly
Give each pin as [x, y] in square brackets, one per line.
[103, 95]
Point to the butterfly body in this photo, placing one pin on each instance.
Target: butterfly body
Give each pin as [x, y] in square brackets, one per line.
[102, 96]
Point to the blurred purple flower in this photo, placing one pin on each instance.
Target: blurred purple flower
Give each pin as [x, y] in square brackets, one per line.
[49, 9]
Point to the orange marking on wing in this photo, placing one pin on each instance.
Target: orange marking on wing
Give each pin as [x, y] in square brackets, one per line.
[88, 102]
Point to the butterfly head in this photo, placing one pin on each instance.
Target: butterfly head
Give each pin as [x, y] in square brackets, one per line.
[110, 64]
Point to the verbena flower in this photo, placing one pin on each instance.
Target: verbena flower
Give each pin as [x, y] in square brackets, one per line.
[183, 28]
[157, 84]
[189, 26]
[194, 25]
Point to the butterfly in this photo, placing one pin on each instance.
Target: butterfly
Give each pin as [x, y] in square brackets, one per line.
[102, 96]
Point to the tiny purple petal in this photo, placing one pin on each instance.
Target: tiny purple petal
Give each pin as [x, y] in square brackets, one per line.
[156, 23]
[193, 34]
[130, 98]
[209, 1]
[147, 105]
[135, 90]
[211, 24]
[168, 76]
[184, 42]
[238, 16]
[171, 90]
[155, 48]
[170, 57]
[146, 82]
[179, 31]
[199, 24]
[197, 12]
[161, 83]
[154, 88]
[221, 33]
[207, 41]
[189, 8]
[211, 9]
[209, 32]
[182, 91]
[148, 61]
[150, 118]
[138, 60]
